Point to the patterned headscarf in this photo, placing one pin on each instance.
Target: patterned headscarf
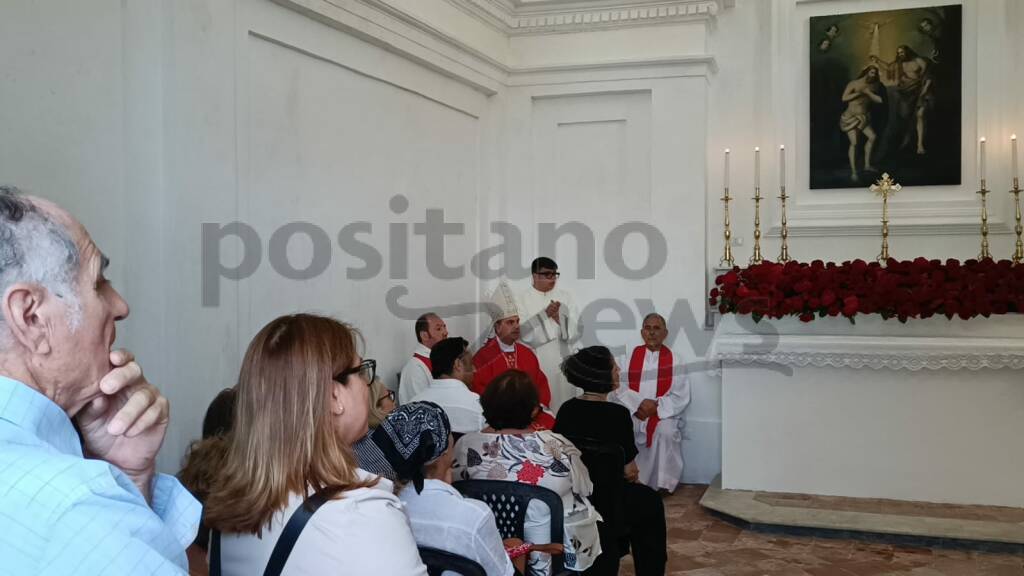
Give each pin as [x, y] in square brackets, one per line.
[411, 436]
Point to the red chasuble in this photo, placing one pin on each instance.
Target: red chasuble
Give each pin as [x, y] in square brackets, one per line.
[490, 362]
[636, 368]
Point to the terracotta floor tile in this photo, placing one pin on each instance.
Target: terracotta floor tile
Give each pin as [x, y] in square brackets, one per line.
[701, 544]
[868, 568]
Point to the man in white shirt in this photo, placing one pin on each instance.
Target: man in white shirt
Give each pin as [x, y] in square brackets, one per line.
[549, 326]
[656, 393]
[416, 375]
[453, 370]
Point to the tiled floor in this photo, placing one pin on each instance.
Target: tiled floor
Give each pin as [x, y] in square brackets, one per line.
[700, 544]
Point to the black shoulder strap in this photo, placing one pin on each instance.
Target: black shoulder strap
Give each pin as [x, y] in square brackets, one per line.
[291, 532]
[214, 552]
[285, 542]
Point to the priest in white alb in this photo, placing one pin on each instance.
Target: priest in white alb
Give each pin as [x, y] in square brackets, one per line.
[416, 374]
[550, 320]
[656, 392]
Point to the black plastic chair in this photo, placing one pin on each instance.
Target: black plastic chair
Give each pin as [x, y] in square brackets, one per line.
[508, 500]
[438, 561]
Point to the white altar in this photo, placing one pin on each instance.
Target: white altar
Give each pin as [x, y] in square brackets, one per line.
[931, 410]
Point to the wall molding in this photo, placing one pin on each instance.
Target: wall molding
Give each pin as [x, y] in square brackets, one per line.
[701, 65]
[516, 18]
[381, 24]
[377, 23]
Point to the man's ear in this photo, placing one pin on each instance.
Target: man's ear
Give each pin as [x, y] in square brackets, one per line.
[24, 307]
[337, 399]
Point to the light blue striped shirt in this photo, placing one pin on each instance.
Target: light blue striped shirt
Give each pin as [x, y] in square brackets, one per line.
[61, 514]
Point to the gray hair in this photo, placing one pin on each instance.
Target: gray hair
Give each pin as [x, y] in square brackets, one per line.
[36, 249]
[655, 315]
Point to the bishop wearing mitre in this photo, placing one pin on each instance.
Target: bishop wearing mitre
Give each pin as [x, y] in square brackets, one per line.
[505, 352]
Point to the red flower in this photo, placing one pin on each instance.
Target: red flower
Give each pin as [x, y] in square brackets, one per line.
[850, 305]
[910, 289]
[530, 473]
[828, 297]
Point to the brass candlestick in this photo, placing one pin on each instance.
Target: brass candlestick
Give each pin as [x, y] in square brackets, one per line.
[1018, 252]
[757, 258]
[885, 188]
[784, 253]
[727, 253]
[984, 223]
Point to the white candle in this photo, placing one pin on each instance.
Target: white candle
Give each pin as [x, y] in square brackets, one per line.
[981, 161]
[726, 167]
[757, 167]
[782, 166]
[1013, 150]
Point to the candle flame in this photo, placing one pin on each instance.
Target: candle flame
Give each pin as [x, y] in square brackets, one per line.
[726, 150]
[982, 139]
[1013, 136]
[782, 146]
[757, 149]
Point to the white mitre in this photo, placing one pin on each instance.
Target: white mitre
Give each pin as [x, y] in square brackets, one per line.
[502, 303]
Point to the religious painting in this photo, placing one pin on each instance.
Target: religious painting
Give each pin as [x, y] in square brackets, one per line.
[886, 97]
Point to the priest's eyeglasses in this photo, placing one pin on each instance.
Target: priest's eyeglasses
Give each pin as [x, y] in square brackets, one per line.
[548, 275]
[367, 369]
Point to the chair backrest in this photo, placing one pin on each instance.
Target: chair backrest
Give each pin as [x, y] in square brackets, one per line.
[508, 500]
[438, 561]
[605, 464]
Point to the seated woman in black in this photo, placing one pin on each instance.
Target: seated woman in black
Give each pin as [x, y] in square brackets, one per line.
[592, 416]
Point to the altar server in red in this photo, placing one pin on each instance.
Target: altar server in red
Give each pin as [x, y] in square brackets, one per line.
[505, 352]
[656, 393]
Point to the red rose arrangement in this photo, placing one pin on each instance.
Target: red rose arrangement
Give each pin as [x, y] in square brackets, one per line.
[918, 288]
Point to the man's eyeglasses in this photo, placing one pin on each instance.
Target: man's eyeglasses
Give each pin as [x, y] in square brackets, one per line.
[548, 275]
[367, 369]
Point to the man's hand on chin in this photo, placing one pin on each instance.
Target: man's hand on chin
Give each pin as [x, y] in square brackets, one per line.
[125, 426]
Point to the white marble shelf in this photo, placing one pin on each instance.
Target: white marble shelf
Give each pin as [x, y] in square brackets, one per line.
[931, 343]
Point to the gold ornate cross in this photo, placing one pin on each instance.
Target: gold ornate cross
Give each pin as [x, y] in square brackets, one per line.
[885, 188]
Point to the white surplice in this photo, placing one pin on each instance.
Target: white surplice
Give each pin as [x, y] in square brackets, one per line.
[415, 376]
[552, 341]
[661, 465]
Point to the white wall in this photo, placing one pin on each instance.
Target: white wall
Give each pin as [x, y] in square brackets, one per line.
[148, 121]
[609, 154]
[900, 434]
[150, 118]
[760, 98]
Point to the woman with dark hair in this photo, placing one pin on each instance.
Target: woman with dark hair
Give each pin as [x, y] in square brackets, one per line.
[203, 461]
[592, 416]
[510, 449]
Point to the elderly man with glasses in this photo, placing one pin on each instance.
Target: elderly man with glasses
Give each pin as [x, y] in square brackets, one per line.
[550, 326]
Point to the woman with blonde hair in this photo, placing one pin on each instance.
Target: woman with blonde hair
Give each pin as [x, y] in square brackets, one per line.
[290, 499]
[382, 402]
